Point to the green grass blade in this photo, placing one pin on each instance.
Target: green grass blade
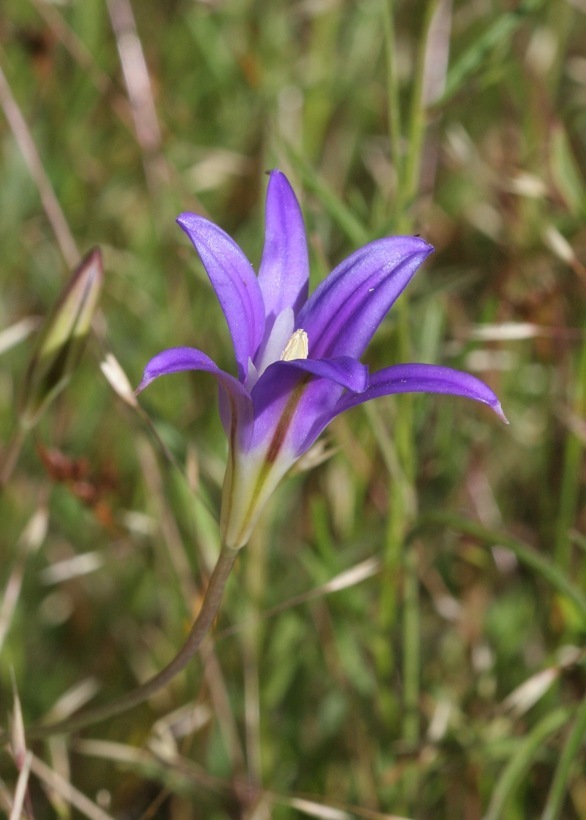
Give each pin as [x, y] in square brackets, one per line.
[566, 766]
[353, 229]
[496, 35]
[571, 475]
[520, 763]
[524, 553]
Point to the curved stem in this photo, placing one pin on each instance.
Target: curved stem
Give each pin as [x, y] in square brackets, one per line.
[199, 630]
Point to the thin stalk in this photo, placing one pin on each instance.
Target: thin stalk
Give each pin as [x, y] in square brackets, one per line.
[251, 643]
[516, 770]
[566, 767]
[11, 455]
[411, 665]
[409, 188]
[199, 630]
[571, 480]
[25, 142]
[403, 498]
[393, 102]
[402, 505]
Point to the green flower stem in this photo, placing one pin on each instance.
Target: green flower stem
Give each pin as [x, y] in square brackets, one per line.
[251, 642]
[199, 630]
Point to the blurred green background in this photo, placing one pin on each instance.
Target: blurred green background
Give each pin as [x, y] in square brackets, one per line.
[443, 675]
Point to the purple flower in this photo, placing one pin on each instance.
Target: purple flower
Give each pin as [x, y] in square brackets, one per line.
[298, 358]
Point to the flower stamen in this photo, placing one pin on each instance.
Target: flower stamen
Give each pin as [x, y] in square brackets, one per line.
[297, 347]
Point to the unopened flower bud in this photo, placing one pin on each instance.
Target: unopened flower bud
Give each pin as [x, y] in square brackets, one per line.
[62, 339]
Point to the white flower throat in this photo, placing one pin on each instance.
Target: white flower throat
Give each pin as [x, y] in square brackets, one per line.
[297, 347]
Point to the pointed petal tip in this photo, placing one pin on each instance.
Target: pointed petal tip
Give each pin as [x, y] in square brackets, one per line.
[499, 411]
[147, 377]
[277, 177]
[426, 248]
[186, 218]
[144, 383]
[192, 223]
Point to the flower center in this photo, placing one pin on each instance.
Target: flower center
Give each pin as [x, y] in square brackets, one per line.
[297, 347]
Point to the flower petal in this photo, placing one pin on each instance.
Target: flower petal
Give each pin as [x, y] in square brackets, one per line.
[284, 269]
[423, 378]
[346, 309]
[343, 370]
[234, 282]
[235, 402]
[292, 399]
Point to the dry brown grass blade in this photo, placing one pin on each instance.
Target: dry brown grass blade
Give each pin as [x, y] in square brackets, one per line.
[345, 579]
[182, 767]
[67, 791]
[140, 93]
[25, 142]
[29, 542]
[20, 805]
[18, 810]
[79, 52]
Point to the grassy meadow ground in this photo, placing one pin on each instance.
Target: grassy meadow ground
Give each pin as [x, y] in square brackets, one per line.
[404, 635]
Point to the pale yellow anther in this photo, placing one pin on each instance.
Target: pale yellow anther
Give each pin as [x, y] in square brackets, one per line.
[297, 347]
